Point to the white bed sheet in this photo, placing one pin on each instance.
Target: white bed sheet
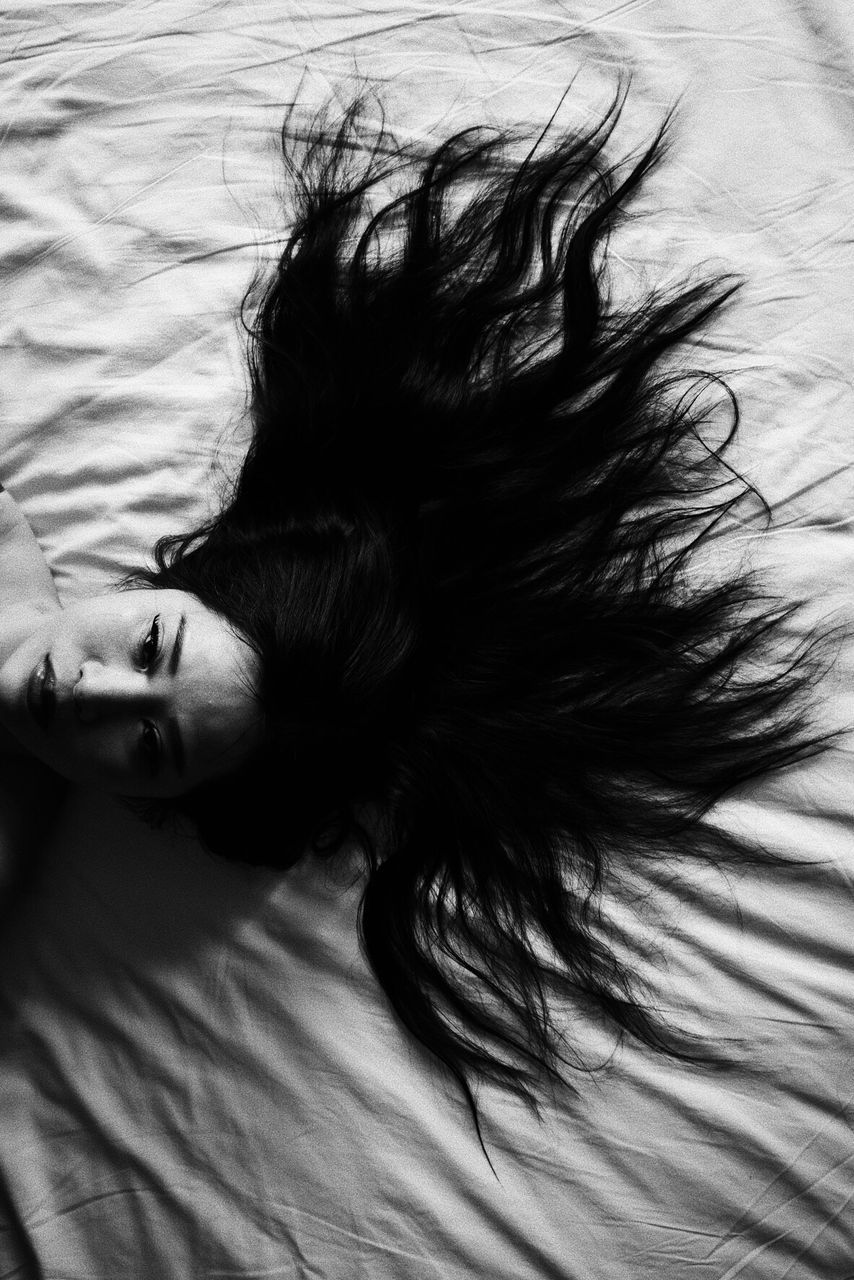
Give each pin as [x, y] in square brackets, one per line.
[198, 1076]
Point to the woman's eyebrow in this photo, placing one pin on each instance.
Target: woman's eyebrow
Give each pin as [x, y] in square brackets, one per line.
[178, 645]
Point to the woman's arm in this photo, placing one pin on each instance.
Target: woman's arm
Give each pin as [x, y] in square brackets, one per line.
[24, 574]
[26, 585]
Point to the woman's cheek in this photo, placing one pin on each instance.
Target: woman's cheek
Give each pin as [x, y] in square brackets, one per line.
[99, 755]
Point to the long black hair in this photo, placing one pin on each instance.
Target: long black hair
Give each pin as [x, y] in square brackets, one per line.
[464, 544]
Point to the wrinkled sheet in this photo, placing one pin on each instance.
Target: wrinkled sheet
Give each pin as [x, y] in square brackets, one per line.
[198, 1076]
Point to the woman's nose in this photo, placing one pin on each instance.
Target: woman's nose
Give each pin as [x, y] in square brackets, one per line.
[102, 691]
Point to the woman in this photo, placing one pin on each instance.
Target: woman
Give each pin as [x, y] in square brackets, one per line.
[141, 693]
[452, 610]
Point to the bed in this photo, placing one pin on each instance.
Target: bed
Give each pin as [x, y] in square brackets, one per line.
[198, 1075]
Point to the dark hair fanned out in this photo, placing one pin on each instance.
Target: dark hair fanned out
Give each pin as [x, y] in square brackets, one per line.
[463, 545]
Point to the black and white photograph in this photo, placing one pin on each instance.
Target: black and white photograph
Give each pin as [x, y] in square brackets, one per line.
[427, 640]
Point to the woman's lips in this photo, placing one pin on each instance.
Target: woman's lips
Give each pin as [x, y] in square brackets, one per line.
[41, 692]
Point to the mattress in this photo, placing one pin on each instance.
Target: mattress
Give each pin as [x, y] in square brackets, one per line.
[199, 1076]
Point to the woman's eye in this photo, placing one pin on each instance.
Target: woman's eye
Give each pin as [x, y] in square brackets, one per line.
[151, 644]
[151, 747]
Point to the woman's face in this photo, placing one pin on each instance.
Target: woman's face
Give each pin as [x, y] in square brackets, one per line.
[143, 692]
